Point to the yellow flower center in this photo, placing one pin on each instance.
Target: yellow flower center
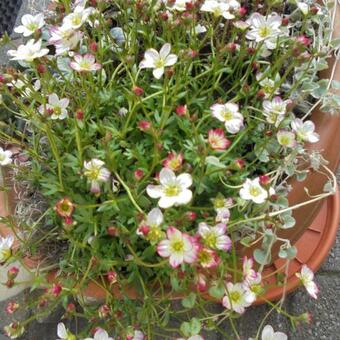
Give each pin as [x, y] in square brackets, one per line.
[32, 26]
[284, 140]
[159, 63]
[264, 31]
[204, 257]
[154, 234]
[210, 240]
[227, 115]
[93, 173]
[5, 254]
[84, 64]
[255, 191]
[172, 190]
[175, 164]
[178, 246]
[219, 203]
[57, 110]
[235, 297]
[76, 20]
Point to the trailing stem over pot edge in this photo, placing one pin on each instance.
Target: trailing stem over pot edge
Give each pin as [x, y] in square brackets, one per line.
[158, 136]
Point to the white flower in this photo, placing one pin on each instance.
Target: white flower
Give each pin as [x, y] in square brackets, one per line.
[230, 115]
[55, 107]
[305, 130]
[63, 333]
[221, 206]
[306, 276]
[30, 23]
[268, 86]
[238, 297]
[249, 274]
[96, 173]
[138, 335]
[86, 63]
[269, 334]
[218, 9]
[78, 17]
[275, 110]
[64, 38]
[214, 237]
[179, 247]
[286, 138]
[6, 244]
[200, 29]
[194, 337]
[303, 7]
[265, 29]
[100, 334]
[179, 5]
[158, 61]
[32, 50]
[5, 157]
[151, 226]
[252, 190]
[172, 190]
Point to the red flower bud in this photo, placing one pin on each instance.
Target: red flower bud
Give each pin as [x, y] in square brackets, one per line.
[239, 163]
[2, 79]
[260, 94]
[138, 91]
[56, 289]
[11, 307]
[191, 215]
[231, 47]
[181, 110]
[10, 283]
[189, 6]
[104, 311]
[112, 277]
[164, 16]
[41, 68]
[12, 273]
[112, 231]
[139, 173]
[303, 40]
[314, 10]
[93, 47]
[285, 21]
[144, 125]
[144, 229]
[251, 50]
[264, 180]
[80, 114]
[71, 307]
[242, 11]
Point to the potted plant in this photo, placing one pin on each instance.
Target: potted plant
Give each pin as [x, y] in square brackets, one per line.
[155, 144]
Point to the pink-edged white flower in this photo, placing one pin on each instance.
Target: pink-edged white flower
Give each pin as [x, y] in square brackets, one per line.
[249, 274]
[286, 138]
[303, 7]
[5, 157]
[173, 161]
[100, 334]
[63, 333]
[178, 5]
[137, 335]
[221, 206]
[265, 29]
[14, 330]
[238, 297]
[32, 50]
[78, 17]
[307, 276]
[253, 191]
[158, 60]
[85, 63]
[214, 237]
[275, 110]
[30, 24]
[217, 139]
[150, 228]
[269, 334]
[64, 38]
[201, 282]
[208, 258]
[228, 114]
[178, 247]
[96, 173]
[55, 107]
[6, 244]
[172, 190]
[219, 8]
[305, 130]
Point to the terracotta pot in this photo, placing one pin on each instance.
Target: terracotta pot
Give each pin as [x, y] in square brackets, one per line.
[327, 126]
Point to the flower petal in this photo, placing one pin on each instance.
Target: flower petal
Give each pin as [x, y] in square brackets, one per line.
[154, 191]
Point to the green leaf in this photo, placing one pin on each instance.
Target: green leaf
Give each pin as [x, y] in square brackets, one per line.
[288, 221]
[185, 329]
[212, 160]
[189, 301]
[217, 291]
[291, 252]
[336, 84]
[322, 65]
[261, 257]
[195, 326]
